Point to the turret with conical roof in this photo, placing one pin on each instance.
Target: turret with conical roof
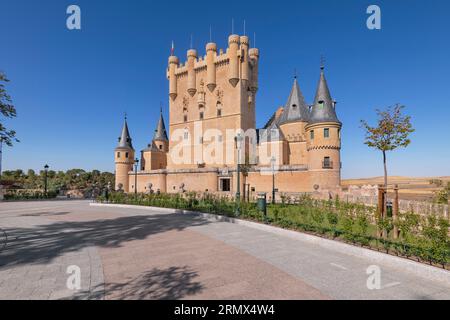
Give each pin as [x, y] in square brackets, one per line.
[296, 108]
[323, 109]
[154, 157]
[124, 158]
[324, 139]
[125, 141]
[292, 124]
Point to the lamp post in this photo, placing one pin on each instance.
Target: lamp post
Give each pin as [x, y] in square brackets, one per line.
[272, 160]
[238, 140]
[136, 163]
[45, 178]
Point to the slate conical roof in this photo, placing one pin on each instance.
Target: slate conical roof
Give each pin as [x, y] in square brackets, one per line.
[125, 139]
[296, 108]
[323, 109]
[160, 132]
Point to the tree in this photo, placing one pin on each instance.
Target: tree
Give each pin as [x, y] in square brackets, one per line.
[7, 110]
[391, 132]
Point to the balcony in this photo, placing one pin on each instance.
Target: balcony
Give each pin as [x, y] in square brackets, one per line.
[327, 164]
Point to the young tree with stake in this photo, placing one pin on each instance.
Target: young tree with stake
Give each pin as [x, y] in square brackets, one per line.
[391, 132]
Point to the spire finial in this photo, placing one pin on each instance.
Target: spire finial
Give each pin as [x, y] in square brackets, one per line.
[295, 73]
[172, 49]
[160, 107]
[322, 62]
[125, 116]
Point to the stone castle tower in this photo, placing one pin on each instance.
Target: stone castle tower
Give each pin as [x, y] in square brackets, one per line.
[124, 159]
[217, 93]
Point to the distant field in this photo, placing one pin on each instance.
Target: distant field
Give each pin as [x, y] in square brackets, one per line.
[410, 188]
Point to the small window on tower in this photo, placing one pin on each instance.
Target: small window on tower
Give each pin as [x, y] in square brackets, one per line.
[219, 112]
[160, 147]
[118, 154]
[326, 133]
[311, 133]
[126, 155]
[185, 118]
[201, 115]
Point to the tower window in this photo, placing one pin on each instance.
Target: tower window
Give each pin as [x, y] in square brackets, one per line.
[186, 134]
[219, 112]
[160, 147]
[118, 154]
[311, 134]
[326, 133]
[126, 155]
[201, 115]
[185, 118]
[339, 133]
[327, 163]
[220, 138]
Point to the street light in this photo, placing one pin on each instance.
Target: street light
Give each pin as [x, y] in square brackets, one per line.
[136, 163]
[272, 160]
[45, 178]
[238, 140]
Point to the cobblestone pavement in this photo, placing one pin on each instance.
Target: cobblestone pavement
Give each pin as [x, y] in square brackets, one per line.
[138, 254]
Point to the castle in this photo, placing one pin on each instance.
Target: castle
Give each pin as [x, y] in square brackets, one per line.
[212, 128]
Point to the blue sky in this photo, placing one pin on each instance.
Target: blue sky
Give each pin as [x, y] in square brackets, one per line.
[71, 88]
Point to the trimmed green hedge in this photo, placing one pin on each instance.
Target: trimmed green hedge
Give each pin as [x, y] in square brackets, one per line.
[425, 238]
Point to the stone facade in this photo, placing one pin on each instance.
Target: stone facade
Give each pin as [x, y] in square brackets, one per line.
[212, 106]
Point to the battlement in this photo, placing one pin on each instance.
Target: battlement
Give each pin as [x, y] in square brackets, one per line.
[241, 62]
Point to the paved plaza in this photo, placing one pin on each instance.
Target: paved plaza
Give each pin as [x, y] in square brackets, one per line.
[125, 253]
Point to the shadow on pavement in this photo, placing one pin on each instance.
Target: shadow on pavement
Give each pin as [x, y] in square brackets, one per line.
[43, 243]
[157, 284]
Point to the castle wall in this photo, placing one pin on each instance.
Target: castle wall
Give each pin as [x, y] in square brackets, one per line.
[285, 181]
[153, 160]
[157, 178]
[195, 181]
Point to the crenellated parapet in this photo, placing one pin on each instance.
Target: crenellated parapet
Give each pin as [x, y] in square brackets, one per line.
[240, 60]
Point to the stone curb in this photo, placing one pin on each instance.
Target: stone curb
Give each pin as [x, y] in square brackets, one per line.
[413, 267]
